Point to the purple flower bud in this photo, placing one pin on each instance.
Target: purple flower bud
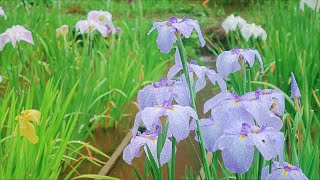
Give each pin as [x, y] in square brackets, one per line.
[295, 91]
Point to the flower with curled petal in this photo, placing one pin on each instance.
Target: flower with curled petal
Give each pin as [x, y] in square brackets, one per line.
[283, 171]
[102, 17]
[252, 30]
[167, 29]
[232, 22]
[230, 61]
[148, 138]
[237, 145]
[89, 26]
[164, 90]
[15, 34]
[26, 128]
[177, 118]
[200, 71]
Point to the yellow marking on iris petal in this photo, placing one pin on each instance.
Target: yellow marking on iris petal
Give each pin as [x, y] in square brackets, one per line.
[284, 173]
[255, 129]
[236, 102]
[91, 27]
[102, 18]
[242, 137]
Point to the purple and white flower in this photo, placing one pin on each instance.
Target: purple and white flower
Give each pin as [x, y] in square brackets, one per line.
[164, 90]
[238, 145]
[232, 22]
[15, 34]
[200, 71]
[102, 17]
[178, 118]
[283, 171]
[2, 13]
[89, 26]
[148, 138]
[167, 29]
[230, 61]
[252, 30]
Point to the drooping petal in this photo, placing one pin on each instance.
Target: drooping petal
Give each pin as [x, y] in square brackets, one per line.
[266, 141]
[250, 55]
[263, 116]
[151, 116]
[27, 130]
[214, 77]
[136, 124]
[210, 130]
[153, 149]
[4, 39]
[166, 152]
[181, 93]
[102, 29]
[133, 149]
[227, 62]
[264, 173]
[166, 38]
[178, 119]
[184, 28]
[216, 101]
[145, 97]
[196, 26]
[238, 156]
[30, 115]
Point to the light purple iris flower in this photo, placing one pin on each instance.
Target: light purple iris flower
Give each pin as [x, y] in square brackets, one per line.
[200, 71]
[15, 34]
[102, 17]
[230, 61]
[252, 106]
[167, 29]
[164, 90]
[295, 91]
[89, 26]
[148, 138]
[283, 171]
[238, 146]
[178, 118]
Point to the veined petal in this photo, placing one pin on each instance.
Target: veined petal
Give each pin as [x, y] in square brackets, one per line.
[266, 143]
[184, 28]
[4, 39]
[166, 38]
[196, 26]
[150, 116]
[102, 29]
[216, 100]
[178, 121]
[238, 156]
[214, 77]
[145, 98]
[166, 152]
[28, 130]
[136, 124]
[227, 62]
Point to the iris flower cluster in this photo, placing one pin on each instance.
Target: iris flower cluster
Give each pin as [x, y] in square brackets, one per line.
[231, 23]
[237, 124]
[100, 21]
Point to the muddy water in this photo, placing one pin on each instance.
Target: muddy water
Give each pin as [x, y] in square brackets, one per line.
[108, 140]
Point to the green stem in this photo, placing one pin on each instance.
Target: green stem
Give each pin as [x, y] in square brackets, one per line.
[193, 104]
[260, 166]
[22, 64]
[238, 176]
[270, 166]
[244, 75]
[173, 158]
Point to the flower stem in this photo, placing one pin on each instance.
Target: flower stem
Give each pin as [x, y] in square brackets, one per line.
[173, 158]
[244, 76]
[204, 160]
